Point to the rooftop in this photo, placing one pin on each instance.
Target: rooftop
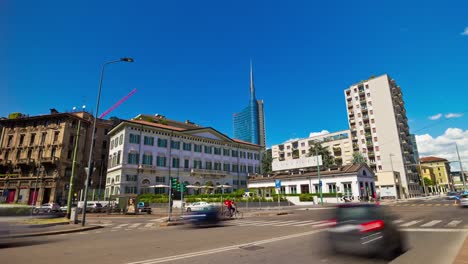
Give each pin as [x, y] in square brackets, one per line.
[432, 159]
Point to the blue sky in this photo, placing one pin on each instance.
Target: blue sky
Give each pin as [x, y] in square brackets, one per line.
[192, 59]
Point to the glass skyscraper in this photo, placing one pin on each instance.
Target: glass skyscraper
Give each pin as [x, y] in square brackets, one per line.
[249, 124]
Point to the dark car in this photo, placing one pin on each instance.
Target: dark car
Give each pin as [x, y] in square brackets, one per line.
[365, 229]
[452, 195]
[209, 216]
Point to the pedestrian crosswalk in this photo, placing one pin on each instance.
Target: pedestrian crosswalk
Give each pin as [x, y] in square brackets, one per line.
[401, 223]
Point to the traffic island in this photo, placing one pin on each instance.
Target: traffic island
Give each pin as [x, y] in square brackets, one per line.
[50, 232]
[41, 222]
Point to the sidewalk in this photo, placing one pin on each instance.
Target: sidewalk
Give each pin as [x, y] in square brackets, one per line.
[462, 257]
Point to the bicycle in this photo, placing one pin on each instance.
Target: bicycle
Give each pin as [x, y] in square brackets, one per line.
[235, 214]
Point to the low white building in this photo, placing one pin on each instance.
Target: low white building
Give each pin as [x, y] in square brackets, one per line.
[351, 180]
[149, 150]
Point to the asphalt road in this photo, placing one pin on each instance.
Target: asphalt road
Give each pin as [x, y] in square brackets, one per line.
[434, 233]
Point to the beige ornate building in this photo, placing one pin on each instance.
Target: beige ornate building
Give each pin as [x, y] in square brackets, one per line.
[36, 154]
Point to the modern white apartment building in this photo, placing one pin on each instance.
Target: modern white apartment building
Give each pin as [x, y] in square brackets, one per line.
[379, 129]
[338, 143]
[148, 150]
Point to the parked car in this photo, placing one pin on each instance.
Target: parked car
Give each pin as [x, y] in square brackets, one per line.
[197, 206]
[464, 200]
[47, 208]
[144, 208]
[452, 195]
[93, 207]
[365, 229]
[64, 208]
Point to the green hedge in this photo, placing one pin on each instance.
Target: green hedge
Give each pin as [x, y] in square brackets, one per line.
[15, 211]
[153, 198]
[308, 197]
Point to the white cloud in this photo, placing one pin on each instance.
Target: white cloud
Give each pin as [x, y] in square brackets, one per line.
[453, 115]
[314, 134]
[435, 117]
[465, 32]
[443, 146]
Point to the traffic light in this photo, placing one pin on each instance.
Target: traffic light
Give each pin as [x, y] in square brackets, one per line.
[174, 183]
[183, 187]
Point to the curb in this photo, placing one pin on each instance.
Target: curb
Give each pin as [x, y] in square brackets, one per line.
[164, 224]
[58, 232]
[48, 225]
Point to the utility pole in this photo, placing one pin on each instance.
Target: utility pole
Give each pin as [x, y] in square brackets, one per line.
[70, 188]
[318, 174]
[462, 174]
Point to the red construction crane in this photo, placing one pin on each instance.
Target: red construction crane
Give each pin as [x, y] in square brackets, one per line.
[117, 104]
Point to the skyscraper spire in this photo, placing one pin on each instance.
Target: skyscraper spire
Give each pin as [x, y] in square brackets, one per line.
[252, 88]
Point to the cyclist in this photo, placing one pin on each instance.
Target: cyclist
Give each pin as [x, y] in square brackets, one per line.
[230, 205]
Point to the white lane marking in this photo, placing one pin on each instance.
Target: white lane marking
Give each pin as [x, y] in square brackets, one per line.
[149, 225]
[120, 226]
[257, 223]
[372, 240]
[318, 223]
[223, 249]
[299, 222]
[454, 223]
[286, 223]
[410, 223]
[134, 225]
[158, 219]
[398, 221]
[442, 230]
[431, 223]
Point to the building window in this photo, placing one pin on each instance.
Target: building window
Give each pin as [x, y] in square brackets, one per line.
[162, 143]
[226, 152]
[197, 148]
[303, 151]
[54, 150]
[208, 165]
[117, 178]
[378, 157]
[376, 148]
[187, 146]
[372, 121]
[175, 162]
[370, 103]
[235, 168]
[217, 166]
[175, 144]
[121, 139]
[360, 123]
[118, 157]
[380, 167]
[235, 153]
[293, 189]
[371, 112]
[331, 188]
[160, 161]
[160, 179]
[226, 167]
[104, 144]
[147, 159]
[359, 114]
[133, 158]
[361, 132]
[131, 177]
[21, 140]
[197, 164]
[186, 163]
[135, 139]
[375, 139]
[33, 138]
[10, 140]
[148, 141]
[374, 129]
[69, 154]
[208, 149]
[250, 169]
[249, 155]
[217, 151]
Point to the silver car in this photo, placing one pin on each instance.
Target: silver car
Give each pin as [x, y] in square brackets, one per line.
[47, 208]
[464, 200]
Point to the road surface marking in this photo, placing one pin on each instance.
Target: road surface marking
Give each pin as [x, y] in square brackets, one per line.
[158, 219]
[410, 223]
[257, 223]
[397, 221]
[120, 226]
[413, 204]
[446, 204]
[428, 204]
[431, 223]
[149, 225]
[437, 204]
[134, 225]
[223, 249]
[454, 223]
[286, 223]
[303, 222]
[442, 230]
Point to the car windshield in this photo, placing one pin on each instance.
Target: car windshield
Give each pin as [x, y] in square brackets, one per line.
[358, 213]
[464, 196]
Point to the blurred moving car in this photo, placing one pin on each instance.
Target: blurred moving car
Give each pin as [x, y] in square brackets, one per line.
[365, 229]
[209, 216]
[452, 195]
[47, 208]
[197, 206]
[464, 200]
[64, 208]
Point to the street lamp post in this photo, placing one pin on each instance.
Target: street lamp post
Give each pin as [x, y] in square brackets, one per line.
[93, 132]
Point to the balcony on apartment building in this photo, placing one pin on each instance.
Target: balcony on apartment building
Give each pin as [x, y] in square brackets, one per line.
[368, 135]
[352, 120]
[25, 161]
[371, 154]
[48, 160]
[355, 147]
[369, 144]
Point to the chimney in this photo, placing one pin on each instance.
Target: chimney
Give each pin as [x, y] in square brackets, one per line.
[53, 111]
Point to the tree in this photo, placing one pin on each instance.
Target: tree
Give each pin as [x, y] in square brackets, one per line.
[358, 158]
[266, 162]
[428, 182]
[328, 160]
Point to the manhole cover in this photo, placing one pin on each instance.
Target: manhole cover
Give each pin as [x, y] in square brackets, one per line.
[252, 248]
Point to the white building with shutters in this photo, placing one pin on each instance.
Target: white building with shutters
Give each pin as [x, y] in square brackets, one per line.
[149, 150]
